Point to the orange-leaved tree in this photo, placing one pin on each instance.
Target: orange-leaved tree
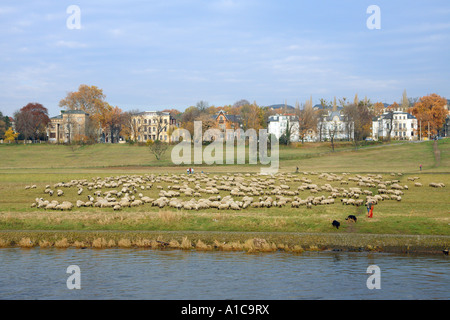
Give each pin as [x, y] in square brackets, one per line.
[430, 113]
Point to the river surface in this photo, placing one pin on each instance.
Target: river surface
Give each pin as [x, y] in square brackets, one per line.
[182, 275]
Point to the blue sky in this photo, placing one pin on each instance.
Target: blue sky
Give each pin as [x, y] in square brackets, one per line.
[151, 55]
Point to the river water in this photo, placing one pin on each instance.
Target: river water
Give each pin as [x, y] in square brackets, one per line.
[183, 275]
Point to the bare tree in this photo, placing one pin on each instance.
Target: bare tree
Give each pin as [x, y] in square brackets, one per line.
[131, 124]
[202, 105]
[161, 124]
[158, 148]
[358, 120]
[332, 131]
[240, 103]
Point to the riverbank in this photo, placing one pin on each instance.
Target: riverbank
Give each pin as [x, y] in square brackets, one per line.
[227, 241]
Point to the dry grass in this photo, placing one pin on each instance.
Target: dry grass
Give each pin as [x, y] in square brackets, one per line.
[4, 243]
[25, 243]
[63, 243]
[200, 245]
[99, 243]
[292, 243]
[124, 243]
[45, 244]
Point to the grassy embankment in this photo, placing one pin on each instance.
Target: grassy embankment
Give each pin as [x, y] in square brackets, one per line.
[422, 211]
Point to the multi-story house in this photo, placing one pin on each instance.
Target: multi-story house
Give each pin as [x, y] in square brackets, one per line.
[153, 125]
[68, 127]
[401, 125]
[284, 124]
[333, 125]
[230, 122]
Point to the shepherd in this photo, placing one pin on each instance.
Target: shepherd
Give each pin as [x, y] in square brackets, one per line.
[369, 209]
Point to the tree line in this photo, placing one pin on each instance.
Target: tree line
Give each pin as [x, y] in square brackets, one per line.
[31, 121]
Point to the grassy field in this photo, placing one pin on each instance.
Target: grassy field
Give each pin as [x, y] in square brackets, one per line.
[422, 211]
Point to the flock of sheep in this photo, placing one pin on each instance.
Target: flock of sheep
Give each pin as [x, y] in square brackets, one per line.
[205, 191]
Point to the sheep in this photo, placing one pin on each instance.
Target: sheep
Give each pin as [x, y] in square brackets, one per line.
[80, 203]
[66, 205]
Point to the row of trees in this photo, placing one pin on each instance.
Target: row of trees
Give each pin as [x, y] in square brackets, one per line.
[31, 121]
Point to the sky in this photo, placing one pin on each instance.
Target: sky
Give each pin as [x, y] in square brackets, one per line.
[155, 55]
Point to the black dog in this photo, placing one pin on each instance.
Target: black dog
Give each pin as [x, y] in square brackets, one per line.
[351, 217]
[335, 224]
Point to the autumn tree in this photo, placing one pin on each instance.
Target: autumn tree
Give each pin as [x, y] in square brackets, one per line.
[10, 135]
[91, 100]
[377, 108]
[32, 120]
[430, 112]
[358, 117]
[130, 125]
[189, 116]
[114, 119]
[307, 120]
[251, 117]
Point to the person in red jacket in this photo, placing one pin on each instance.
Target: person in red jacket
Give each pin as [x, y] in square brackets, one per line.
[370, 210]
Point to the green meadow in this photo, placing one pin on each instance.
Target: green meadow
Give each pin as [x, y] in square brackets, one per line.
[422, 211]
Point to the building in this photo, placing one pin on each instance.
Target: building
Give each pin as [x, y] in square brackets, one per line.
[153, 125]
[68, 127]
[284, 124]
[333, 125]
[402, 125]
[224, 121]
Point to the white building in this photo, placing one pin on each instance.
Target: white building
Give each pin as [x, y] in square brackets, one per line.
[153, 125]
[333, 125]
[284, 125]
[403, 126]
